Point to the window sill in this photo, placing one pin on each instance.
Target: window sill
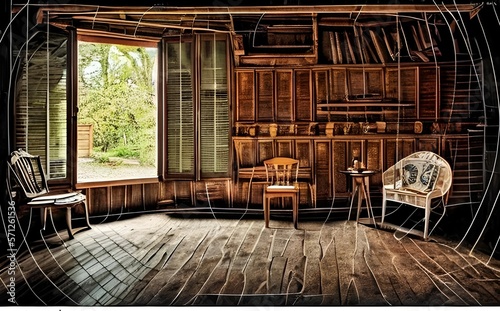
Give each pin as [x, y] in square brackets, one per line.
[122, 182]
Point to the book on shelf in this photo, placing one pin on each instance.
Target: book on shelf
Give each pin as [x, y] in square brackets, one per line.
[350, 49]
[379, 48]
[369, 52]
[359, 47]
[339, 48]
[333, 47]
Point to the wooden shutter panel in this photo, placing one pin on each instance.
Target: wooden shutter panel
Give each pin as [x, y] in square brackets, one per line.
[245, 96]
[265, 95]
[303, 95]
[214, 110]
[180, 109]
[284, 109]
[41, 107]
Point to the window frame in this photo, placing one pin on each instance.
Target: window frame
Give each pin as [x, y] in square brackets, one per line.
[73, 106]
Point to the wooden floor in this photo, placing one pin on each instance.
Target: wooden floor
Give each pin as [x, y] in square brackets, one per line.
[159, 260]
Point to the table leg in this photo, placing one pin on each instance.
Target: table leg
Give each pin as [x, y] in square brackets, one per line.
[368, 203]
[352, 200]
[295, 211]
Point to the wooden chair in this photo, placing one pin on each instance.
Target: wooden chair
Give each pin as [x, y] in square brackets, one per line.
[416, 180]
[30, 178]
[281, 176]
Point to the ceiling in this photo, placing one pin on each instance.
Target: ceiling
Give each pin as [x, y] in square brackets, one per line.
[151, 22]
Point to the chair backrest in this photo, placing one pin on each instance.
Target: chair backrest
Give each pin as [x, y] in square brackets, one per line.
[282, 171]
[422, 171]
[28, 172]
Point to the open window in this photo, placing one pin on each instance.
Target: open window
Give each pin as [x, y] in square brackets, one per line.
[117, 111]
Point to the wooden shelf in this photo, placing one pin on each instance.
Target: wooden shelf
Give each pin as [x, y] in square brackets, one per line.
[364, 104]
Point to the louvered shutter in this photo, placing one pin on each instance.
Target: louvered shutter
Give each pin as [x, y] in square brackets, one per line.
[180, 109]
[214, 109]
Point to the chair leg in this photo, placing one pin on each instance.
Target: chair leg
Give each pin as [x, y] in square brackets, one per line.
[426, 220]
[295, 211]
[68, 222]
[86, 210]
[266, 210]
[43, 217]
[384, 205]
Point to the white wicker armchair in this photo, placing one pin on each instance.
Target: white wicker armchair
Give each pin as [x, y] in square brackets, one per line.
[416, 180]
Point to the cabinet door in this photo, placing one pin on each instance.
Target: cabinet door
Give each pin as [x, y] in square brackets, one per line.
[284, 107]
[428, 93]
[366, 82]
[341, 156]
[245, 152]
[321, 86]
[374, 160]
[428, 144]
[265, 95]
[322, 169]
[396, 149]
[284, 148]
[265, 149]
[338, 85]
[401, 87]
[245, 96]
[303, 95]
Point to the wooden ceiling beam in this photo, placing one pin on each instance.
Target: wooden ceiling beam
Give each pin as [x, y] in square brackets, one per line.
[285, 10]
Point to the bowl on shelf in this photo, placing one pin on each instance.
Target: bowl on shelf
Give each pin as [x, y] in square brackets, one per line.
[361, 169]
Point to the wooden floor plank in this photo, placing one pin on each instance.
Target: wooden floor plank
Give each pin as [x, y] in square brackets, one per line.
[159, 260]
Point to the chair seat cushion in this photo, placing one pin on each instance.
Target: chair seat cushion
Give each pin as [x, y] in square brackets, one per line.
[58, 199]
[280, 188]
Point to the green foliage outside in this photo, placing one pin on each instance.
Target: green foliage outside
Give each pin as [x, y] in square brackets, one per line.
[117, 96]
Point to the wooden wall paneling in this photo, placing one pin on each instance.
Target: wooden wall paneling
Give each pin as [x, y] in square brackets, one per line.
[460, 96]
[429, 144]
[284, 148]
[428, 92]
[166, 192]
[323, 169]
[150, 194]
[365, 82]
[401, 87]
[265, 150]
[245, 95]
[303, 95]
[465, 155]
[355, 150]
[303, 153]
[134, 197]
[284, 96]
[117, 198]
[214, 193]
[321, 86]
[338, 84]
[265, 95]
[321, 93]
[183, 192]
[246, 152]
[374, 160]
[396, 149]
[99, 200]
[341, 160]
